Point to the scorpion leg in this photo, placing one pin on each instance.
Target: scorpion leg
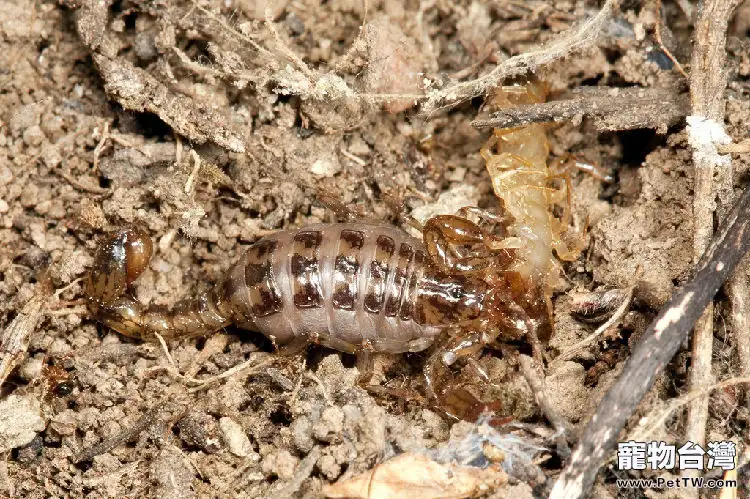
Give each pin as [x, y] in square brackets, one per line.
[342, 211]
[571, 251]
[569, 162]
[452, 398]
[496, 224]
[365, 367]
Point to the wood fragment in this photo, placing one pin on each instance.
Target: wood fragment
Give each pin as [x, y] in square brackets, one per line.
[708, 80]
[576, 39]
[738, 291]
[658, 345]
[15, 339]
[135, 89]
[535, 378]
[610, 109]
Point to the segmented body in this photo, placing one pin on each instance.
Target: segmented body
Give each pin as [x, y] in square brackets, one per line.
[343, 284]
[517, 161]
[347, 286]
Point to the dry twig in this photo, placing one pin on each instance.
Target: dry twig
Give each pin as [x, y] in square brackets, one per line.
[162, 412]
[667, 52]
[708, 80]
[15, 339]
[609, 108]
[579, 38]
[535, 378]
[658, 345]
[739, 296]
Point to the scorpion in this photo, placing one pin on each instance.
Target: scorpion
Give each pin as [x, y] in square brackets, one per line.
[367, 288]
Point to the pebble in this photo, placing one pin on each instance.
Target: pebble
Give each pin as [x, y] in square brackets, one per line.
[20, 421]
[235, 437]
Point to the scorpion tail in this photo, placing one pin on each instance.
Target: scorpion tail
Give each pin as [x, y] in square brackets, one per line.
[121, 258]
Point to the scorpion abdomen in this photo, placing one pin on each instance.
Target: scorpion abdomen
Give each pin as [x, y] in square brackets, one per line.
[343, 285]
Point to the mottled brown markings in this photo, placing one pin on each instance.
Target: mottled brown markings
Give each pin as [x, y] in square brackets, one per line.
[385, 246]
[346, 264]
[305, 268]
[346, 269]
[275, 267]
[343, 298]
[263, 292]
[269, 302]
[379, 268]
[405, 257]
[354, 239]
[345, 282]
[407, 304]
[263, 249]
[310, 239]
[257, 273]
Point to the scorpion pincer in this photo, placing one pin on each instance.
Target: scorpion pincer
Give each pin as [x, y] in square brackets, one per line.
[356, 288]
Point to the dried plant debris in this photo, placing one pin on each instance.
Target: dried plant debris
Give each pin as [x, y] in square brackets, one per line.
[16, 337]
[609, 109]
[517, 450]
[136, 90]
[476, 461]
[411, 475]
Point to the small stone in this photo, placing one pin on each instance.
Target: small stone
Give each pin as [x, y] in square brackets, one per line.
[280, 463]
[329, 467]
[4, 206]
[51, 156]
[33, 136]
[302, 434]
[31, 369]
[330, 425]
[235, 438]
[38, 235]
[29, 453]
[358, 146]
[325, 167]
[64, 423]
[20, 421]
[25, 117]
[5, 175]
[257, 9]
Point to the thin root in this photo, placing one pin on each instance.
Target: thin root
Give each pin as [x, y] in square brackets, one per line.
[616, 317]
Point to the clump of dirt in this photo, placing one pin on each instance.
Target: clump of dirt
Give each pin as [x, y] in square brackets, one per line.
[214, 125]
